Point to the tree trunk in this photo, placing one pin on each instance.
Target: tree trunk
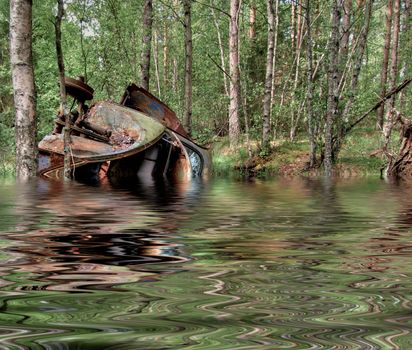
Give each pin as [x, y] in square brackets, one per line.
[309, 93]
[234, 105]
[175, 75]
[146, 44]
[187, 120]
[294, 119]
[344, 41]
[222, 53]
[166, 57]
[406, 44]
[63, 108]
[23, 85]
[292, 24]
[344, 46]
[384, 70]
[269, 78]
[388, 125]
[299, 25]
[252, 21]
[156, 63]
[275, 46]
[401, 166]
[333, 88]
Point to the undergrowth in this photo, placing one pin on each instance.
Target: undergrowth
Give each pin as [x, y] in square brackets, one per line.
[359, 156]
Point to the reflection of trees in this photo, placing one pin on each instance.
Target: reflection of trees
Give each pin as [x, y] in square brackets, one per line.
[66, 231]
[390, 248]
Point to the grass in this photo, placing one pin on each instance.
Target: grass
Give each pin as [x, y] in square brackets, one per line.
[358, 157]
[7, 165]
[360, 154]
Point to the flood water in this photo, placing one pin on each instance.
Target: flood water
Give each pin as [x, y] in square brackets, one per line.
[282, 264]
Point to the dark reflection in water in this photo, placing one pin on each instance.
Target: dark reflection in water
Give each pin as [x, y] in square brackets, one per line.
[299, 264]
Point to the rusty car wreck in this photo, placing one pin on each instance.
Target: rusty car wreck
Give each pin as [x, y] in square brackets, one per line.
[139, 137]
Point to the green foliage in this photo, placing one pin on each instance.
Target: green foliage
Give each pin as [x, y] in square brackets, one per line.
[102, 42]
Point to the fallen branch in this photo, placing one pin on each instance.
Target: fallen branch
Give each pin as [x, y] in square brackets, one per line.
[378, 104]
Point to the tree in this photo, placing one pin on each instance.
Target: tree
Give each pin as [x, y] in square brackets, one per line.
[63, 110]
[390, 115]
[269, 74]
[146, 44]
[385, 62]
[333, 88]
[234, 90]
[23, 86]
[188, 65]
[309, 94]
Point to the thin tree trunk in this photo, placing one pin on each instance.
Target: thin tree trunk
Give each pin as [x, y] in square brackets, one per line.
[384, 71]
[292, 25]
[63, 109]
[269, 76]
[59, 53]
[156, 63]
[309, 94]
[21, 60]
[247, 122]
[188, 66]
[234, 105]
[222, 52]
[252, 21]
[166, 56]
[407, 44]
[275, 46]
[175, 75]
[333, 89]
[388, 125]
[146, 44]
[294, 119]
[344, 42]
[299, 24]
[344, 46]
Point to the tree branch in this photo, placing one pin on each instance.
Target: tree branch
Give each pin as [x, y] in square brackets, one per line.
[218, 66]
[397, 89]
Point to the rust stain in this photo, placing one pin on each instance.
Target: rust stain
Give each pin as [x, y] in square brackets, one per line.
[143, 101]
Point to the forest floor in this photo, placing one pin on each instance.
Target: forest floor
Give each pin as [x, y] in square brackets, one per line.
[359, 156]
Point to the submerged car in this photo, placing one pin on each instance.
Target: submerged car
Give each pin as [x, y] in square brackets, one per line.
[140, 137]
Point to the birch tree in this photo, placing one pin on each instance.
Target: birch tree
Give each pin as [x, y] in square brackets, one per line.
[23, 86]
[234, 90]
[309, 94]
[333, 88]
[269, 72]
[385, 62]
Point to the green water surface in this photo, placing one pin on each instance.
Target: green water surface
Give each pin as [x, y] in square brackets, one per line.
[282, 264]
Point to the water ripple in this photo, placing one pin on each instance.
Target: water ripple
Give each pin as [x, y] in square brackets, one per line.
[218, 265]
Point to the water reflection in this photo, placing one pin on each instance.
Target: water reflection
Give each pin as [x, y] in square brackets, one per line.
[296, 264]
[92, 228]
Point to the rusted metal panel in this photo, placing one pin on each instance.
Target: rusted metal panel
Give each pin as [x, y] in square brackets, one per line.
[141, 100]
[113, 141]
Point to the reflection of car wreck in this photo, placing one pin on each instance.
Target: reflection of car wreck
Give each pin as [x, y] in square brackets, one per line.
[140, 137]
